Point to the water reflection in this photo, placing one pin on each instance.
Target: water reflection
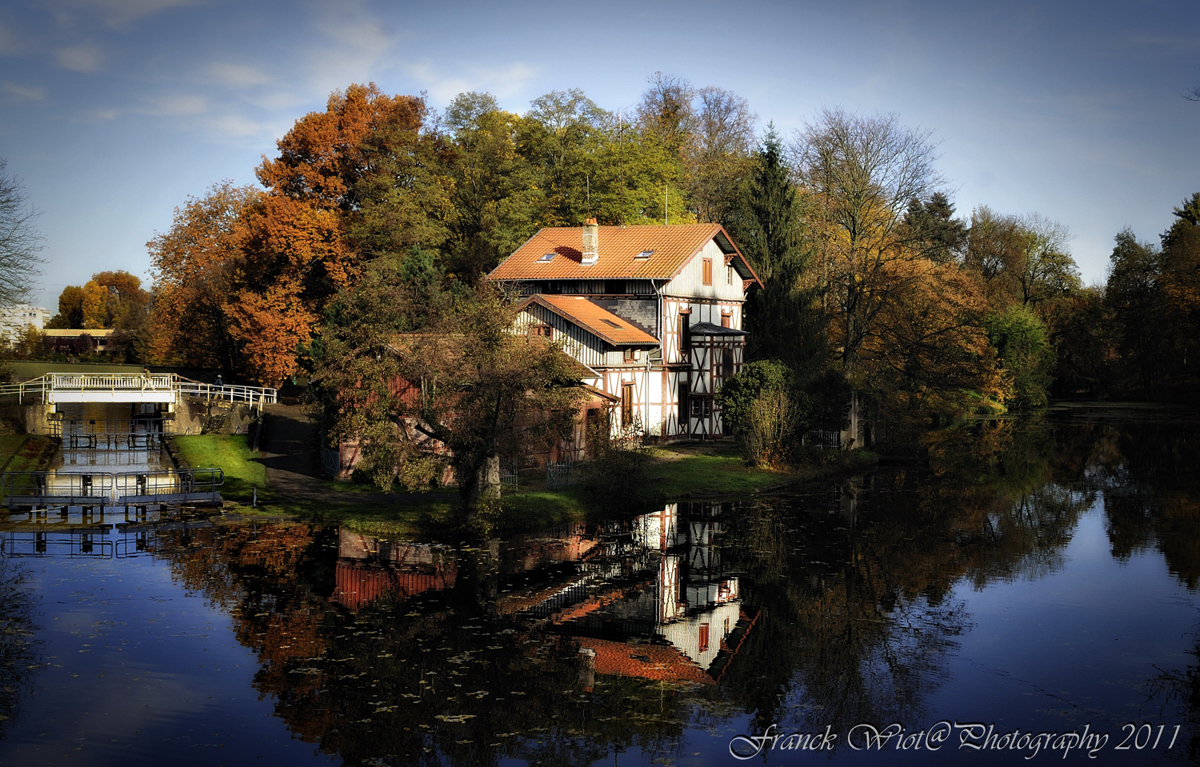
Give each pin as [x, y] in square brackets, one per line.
[19, 657]
[869, 599]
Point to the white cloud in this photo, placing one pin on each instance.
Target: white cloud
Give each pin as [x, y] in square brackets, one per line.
[236, 126]
[119, 14]
[97, 116]
[27, 94]
[85, 57]
[357, 46]
[175, 106]
[237, 75]
[503, 83]
[10, 43]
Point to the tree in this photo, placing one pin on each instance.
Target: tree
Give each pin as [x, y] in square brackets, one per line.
[719, 160]
[195, 265]
[780, 317]
[933, 229]
[862, 173]
[1047, 270]
[19, 241]
[422, 381]
[1024, 352]
[765, 410]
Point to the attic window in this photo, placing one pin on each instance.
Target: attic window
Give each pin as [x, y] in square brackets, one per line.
[547, 258]
[645, 254]
[610, 322]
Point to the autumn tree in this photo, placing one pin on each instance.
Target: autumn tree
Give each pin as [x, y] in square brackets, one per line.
[720, 159]
[195, 265]
[422, 380]
[862, 172]
[19, 240]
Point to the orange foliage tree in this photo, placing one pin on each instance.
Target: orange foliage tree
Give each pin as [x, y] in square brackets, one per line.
[194, 266]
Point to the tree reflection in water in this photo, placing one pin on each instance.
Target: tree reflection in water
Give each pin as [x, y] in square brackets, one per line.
[18, 647]
[829, 606]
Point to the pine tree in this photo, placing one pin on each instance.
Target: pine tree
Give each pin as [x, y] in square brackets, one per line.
[780, 317]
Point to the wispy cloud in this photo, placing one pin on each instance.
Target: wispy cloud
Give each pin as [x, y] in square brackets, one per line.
[175, 106]
[10, 42]
[85, 57]
[26, 94]
[238, 75]
[118, 14]
[509, 81]
[354, 47]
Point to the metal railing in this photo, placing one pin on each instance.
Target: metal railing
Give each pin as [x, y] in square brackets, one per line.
[45, 385]
[49, 488]
[80, 487]
[183, 482]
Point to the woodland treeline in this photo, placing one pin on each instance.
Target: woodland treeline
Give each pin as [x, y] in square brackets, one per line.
[873, 282]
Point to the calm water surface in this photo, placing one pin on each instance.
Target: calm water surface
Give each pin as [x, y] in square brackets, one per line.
[1032, 586]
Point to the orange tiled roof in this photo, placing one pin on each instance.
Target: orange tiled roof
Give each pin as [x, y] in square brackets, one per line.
[672, 247]
[595, 319]
[656, 662]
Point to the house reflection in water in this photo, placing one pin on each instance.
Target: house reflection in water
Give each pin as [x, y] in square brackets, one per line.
[369, 569]
[648, 597]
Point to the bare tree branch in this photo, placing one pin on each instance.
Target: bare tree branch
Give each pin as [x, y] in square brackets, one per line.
[20, 241]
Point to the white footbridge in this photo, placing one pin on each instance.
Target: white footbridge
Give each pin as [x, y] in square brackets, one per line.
[62, 388]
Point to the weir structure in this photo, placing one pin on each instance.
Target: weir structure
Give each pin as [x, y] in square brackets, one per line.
[156, 399]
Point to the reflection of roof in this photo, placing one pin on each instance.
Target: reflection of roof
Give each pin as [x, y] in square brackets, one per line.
[667, 250]
[709, 329]
[647, 661]
[598, 321]
[358, 586]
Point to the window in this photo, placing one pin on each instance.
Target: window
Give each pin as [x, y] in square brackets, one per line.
[645, 254]
[701, 407]
[546, 258]
[684, 394]
[706, 271]
[729, 275]
[610, 323]
[631, 355]
[626, 404]
[727, 363]
[703, 637]
[685, 334]
[543, 331]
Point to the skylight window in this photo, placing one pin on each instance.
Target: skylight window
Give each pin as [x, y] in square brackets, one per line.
[547, 258]
[645, 254]
[610, 322]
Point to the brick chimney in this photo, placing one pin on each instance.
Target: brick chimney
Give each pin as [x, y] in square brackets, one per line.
[591, 242]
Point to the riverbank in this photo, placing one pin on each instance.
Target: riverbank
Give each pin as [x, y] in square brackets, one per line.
[25, 452]
[675, 472]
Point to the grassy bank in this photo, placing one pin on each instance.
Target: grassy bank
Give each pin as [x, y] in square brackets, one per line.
[243, 468]
[671, 473]
[25, 452]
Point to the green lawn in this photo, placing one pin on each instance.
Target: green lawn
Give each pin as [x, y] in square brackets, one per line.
[229, 452]
[673, 472]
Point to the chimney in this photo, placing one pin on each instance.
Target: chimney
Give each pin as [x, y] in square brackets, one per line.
[591, 242]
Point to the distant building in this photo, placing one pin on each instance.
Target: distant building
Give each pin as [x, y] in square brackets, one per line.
[14, 320]
[76, 341]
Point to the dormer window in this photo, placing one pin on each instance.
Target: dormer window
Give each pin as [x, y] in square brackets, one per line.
[631, 355]
[547, 258]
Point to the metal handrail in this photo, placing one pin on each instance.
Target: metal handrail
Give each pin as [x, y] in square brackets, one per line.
[254, 395]
[88, 484]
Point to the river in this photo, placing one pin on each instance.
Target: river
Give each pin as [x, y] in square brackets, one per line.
[1028, 594]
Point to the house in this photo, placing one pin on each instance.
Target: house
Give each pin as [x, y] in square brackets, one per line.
[656, 311]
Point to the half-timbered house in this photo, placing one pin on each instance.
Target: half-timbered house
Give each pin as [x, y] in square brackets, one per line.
[656, 311]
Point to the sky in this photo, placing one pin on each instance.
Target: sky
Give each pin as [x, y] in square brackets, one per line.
[114, 112]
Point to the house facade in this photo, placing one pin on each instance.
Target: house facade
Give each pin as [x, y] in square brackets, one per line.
[655, 311]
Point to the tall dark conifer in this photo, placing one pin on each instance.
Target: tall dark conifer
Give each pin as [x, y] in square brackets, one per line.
[781, 317]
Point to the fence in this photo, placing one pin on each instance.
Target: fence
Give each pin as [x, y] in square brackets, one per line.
[558, 475]
[830, 439]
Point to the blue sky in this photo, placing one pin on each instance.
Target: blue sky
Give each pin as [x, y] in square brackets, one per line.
[113, 112]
